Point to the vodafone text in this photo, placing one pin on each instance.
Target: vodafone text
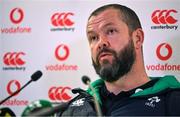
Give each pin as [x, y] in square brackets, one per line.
[15, 102]
[62, 67]
[163, 67]
[18, 29]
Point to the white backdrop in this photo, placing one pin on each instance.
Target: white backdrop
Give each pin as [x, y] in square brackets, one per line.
[34, 33]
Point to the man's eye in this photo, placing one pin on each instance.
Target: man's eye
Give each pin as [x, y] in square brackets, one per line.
[111, 31]
[93, 38]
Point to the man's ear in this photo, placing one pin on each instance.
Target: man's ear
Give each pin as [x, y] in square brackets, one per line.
[138, 38]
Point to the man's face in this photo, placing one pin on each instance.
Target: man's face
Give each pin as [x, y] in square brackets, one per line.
[112, 48]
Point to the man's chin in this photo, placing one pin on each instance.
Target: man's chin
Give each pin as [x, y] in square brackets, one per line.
[106, 66]
[105, 62]
[105, 70]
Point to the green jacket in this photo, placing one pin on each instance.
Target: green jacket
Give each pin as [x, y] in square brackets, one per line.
[166, 82]
[83, 104]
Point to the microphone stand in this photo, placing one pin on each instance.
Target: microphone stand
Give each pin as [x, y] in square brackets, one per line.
[98, 109]
[34, 77]
[15, 92]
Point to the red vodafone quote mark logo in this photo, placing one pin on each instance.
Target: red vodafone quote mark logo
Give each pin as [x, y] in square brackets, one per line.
[59, 93]
[62, 52]
[164, 46]
[16, 15]
[62, 19]
[163, 16]
[13, 84]
[13, 58]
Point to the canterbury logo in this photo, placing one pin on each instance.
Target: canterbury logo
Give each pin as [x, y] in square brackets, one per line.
[62, 19]
[163, 16]
[59, 93]
[79, 102]
[13, 58]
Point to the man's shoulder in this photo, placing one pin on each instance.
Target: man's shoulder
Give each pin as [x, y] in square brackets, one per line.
[167, 81]
[81, 105]
[163, 84]
[173, 102]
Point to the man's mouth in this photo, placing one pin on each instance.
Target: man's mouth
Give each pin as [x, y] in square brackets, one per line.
[104, 55]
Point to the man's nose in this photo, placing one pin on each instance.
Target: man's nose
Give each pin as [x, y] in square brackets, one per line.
[103, 43]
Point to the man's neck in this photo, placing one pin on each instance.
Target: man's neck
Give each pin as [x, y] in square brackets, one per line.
[127, 82]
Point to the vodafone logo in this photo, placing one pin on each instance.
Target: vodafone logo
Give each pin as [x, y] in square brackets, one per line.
[62, 52]
[13, 59]
[168, 51]
[62, 19]
[59, 93]
[164, 52]
[164, 16]
[13, 86]
[16, 15]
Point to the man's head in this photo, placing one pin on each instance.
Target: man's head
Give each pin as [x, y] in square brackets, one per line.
[126, 14]
[110, 31]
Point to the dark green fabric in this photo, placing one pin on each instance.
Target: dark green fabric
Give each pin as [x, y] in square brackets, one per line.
[96, 85]
[162, 84]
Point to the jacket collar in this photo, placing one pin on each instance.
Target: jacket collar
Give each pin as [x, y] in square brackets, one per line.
[162, 84]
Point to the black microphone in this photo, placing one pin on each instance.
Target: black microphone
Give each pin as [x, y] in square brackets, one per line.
[86, 80]
[6, 112]
[34, 77]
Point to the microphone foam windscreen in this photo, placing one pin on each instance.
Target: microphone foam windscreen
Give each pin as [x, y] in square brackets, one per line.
[36, 75]
[85, 79]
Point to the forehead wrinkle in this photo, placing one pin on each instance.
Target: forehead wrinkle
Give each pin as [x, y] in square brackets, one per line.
[101, 19]
[105, 22]
[94, 22]
[108, 13]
